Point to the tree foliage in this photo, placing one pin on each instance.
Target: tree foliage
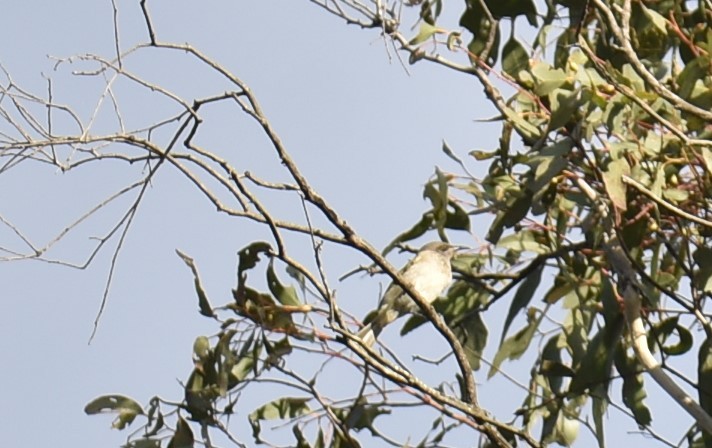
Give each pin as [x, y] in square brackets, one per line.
[597, 202]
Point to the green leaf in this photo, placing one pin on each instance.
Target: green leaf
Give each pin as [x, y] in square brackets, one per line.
[612, 178]
[704, 382]
[563, 105]
[183, 437]
[661, 331]
[595, 367]
[262, 309]
[702, 276]
[482, 155]
[414, 232]
[676, 194]
[599, 406]
[286, 295]
[226, 358]
[529, 131]
[285, 407]
[524, 295]
[549, 163]
[513, 210]
[548, 78]
[633, 389]
[243, 367]
[360, 415]
[426, 32]
[512, 9]
[298, 276]
[248, 356]
[126, 407]
[250, 255]
[514, 58]
[275, 351]
[515, 346]
[438, 197]
[658, 21]
[472, 334]
[476, 21]
[561, 287]
[454, 40]
[456, 217]
[523, 241]
[552, 366]
[302, 442]
[203, 302]
[707, 157]
[201, 347]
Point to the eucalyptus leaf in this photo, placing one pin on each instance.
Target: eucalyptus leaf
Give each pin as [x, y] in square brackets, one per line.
[203, 302]
[514, 346]
[183, 436]
[286, 295]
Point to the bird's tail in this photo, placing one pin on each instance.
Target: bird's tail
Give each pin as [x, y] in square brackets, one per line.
[367, 335]
[370, 331]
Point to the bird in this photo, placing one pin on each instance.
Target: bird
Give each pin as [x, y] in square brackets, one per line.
[429, 273]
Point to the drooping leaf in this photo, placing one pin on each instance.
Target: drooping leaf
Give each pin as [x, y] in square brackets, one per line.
[299, 277]
[414, 232]
[599, 406]
[126, 408]
[286, 295]
[262, 309]
[524, 295]
[486, 33]
[707, 157]
[512, 9]
[657, 20]
[286, 407]
[302, 442]
[183, 437]
[595, 367]
[548, 78]
[561, 287]
[277, 350]
[704, 383]
[514, 58]
[514, 346]
[250, 255]
[703, 274]
[549, 163]
[523, 241]
[513, 211]
[247, 359]
[552, 366]
[661, 331]
[201, 347]
[529, 131]
[454, 40]
[472, 334]
[360, 415]
[612, 177]
[633, 390]
[203, 302]
[225, 360]
[426, 32]
[563, 103]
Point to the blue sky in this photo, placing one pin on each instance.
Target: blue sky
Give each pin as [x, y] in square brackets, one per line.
[363, 130]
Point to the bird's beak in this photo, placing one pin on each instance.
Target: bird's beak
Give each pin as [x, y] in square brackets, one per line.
[455, 249]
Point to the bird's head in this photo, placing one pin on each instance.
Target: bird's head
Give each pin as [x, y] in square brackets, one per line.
[443, 248]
